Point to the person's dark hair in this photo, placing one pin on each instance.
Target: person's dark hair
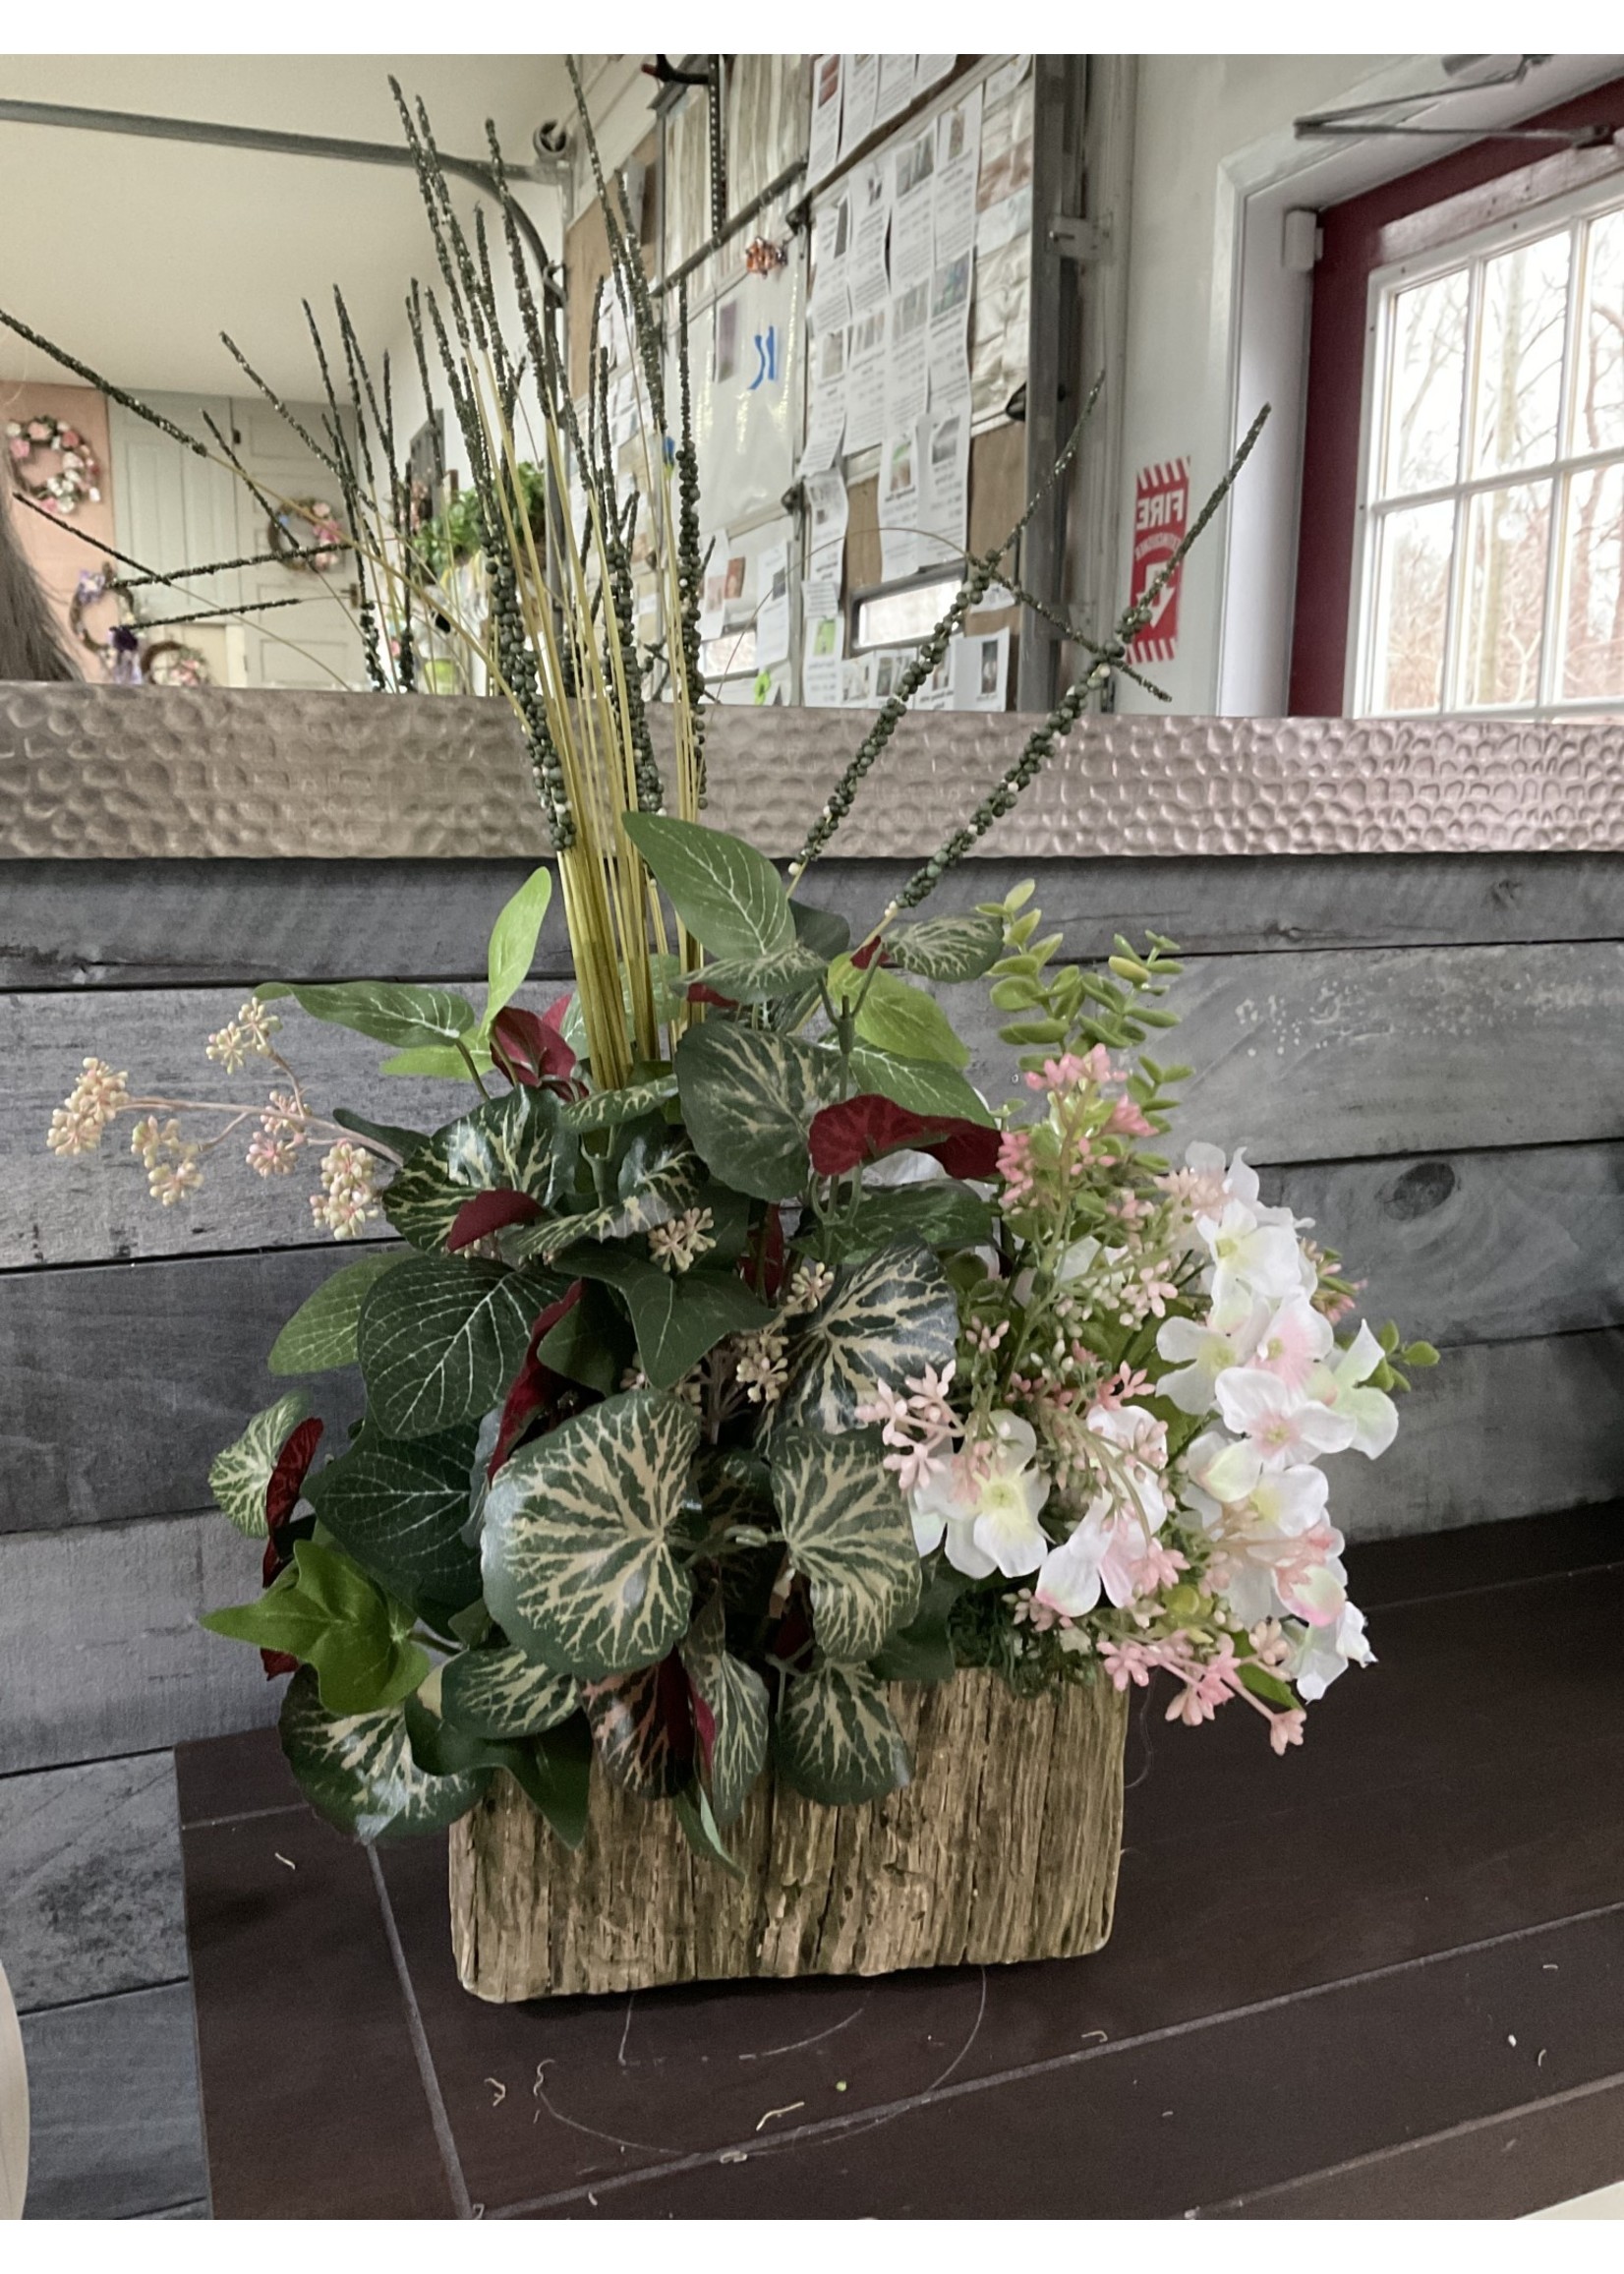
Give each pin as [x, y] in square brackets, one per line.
[31, 646]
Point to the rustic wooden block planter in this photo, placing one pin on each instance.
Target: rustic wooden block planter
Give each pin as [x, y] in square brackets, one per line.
[1005, 1846]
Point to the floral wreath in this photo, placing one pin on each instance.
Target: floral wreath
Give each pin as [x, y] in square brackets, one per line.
[122, 655]
[78, 477]
[304, 522]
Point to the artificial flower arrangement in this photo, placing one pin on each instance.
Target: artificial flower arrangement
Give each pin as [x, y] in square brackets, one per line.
[737, 1360]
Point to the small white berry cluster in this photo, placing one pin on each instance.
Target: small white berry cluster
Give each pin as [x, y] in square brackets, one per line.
[346, 1202]
[98, 1097]
[246, 1036]
[169, 1159]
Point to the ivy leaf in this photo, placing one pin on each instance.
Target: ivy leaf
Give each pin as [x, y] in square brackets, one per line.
[902, 1019]
[837, 1739]
[692, 1810]
[356, 1769]
[726, 893]
[512, 947]
[847, 1528]
[400, 1510]
[659, 1177]
[441, 1338]
[512, 1144]
[326, 1614]
[922, 1650]
[405, 1018]
[643, 1728]
[501, 1693]
[729, 1710]
[607, 1108]
[675, 1315]
[558, 1777]
[748, 1099]
[885, 1319]
[789, 970]
[936, 1090]
[320, 1334]
[948, 949]
[239, 1476]
[579, 1568]
[822, 929]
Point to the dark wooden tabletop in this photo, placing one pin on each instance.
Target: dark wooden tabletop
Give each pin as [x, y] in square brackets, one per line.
[1384, 1977]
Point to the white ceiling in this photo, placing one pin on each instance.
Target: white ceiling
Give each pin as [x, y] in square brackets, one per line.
[135, 254]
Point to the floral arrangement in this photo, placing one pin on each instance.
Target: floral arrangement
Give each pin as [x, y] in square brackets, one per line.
[734, 1358]
[306, 535]
[78, 477]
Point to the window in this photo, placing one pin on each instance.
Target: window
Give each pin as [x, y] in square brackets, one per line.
[1491, 521]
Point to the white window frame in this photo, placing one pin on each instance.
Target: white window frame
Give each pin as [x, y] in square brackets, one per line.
[1470, 251]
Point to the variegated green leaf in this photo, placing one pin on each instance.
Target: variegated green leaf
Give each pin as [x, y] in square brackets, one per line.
[400, 1508]
[764, 978]
[441, 1337]
[512, 1144]
[727, 893]
[948, 949]
[579, 1567]
[937, 1214]
[748, 1099]
[658, 1180]
[405, 1018]
[643, 1728]
[238, 1476]
[502, 1694]
[320, 1334]
[837, 1739]
[894, 1016]
[884, 1319]
[847, 1529]
[607, 1108]
[357, 1772]
[918, 1085]
[734, 1696]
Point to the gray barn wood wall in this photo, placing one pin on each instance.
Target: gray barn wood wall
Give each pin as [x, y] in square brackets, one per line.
[1421, 1050]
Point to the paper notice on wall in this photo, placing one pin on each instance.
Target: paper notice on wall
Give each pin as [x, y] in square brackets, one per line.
[772, 608]
[861, 77]
[868, 279]
[999, 325]
[1161, 515]
[823, 641]
[949, 335]
[929, 69]
[1002, 83]
[712, 593]
[945, 489]
[826, 417]
[857, 681]
[822, 150]
[865, 382]
[913, 211]
[1011, 218]
[830, 306]
[981, 671]
[937, 692]
[896, 88]
[899, 505]
[958, 178]
[828, 513]
[908, 366]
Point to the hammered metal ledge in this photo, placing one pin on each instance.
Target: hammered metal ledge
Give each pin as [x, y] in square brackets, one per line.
[149, 772]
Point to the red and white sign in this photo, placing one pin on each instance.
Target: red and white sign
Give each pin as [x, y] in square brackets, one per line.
[1161, 515]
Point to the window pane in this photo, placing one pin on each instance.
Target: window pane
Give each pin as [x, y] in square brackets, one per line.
[1424, 412]
[910, 615]
[1412, 608]
[1508, 533]
[1525, 296]
[1593, 664]
[1599, 383]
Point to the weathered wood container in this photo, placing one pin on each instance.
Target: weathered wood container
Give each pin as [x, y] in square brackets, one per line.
[1005, 1846]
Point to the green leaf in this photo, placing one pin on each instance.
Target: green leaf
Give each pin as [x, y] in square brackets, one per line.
[558, 1777]
[320, 1334]
[514, 938]
[692, 1811]
[357, 1772]
[765, 979]
[948, 949]
[501, 1693]
[883, 1319]
[405, 1018]
[659, 1177]
[937, 1214]
[847, 1528]
[607, 1108]
[514, 1143]
[676, 1315]
[837, 1739]
[737, 1698]
[400, 1509]
[441, 1337]
[435, 1062]
[238, 1476]
[727, 893]
[578, 1563]
[592, 1343]
[748, 1099]
[922, 1650]
[326, 1613]
[896, 1017]
[821, 928]
[918, 1085]
[1265, 1685]
[403, 1141]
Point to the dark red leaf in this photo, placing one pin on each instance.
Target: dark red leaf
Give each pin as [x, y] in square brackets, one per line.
[537, 1390]
[288, 1476]
[970, 1152]
[866, 1129]
[643, 1728]
[277, 1663]
[862, 957]
[489, 1212]
[700, 992]
[531, 1050]
[704, 1729]
[765, 1260]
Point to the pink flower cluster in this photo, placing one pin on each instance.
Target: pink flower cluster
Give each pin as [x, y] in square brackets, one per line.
[920, 1425]
[1207, 1683]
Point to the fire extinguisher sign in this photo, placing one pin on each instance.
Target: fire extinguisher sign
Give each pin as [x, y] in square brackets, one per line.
[1161, 515]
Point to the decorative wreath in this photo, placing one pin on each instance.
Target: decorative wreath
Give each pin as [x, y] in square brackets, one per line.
[122, 656]
[303, 523]
[77, 478]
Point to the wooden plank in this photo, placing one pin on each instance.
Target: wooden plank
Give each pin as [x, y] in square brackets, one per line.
[124, 1380]
[1474, 1247]
[1500, 1428]
[117, 2127]
[97, 923]
[99, 1647]
[90, 1880]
